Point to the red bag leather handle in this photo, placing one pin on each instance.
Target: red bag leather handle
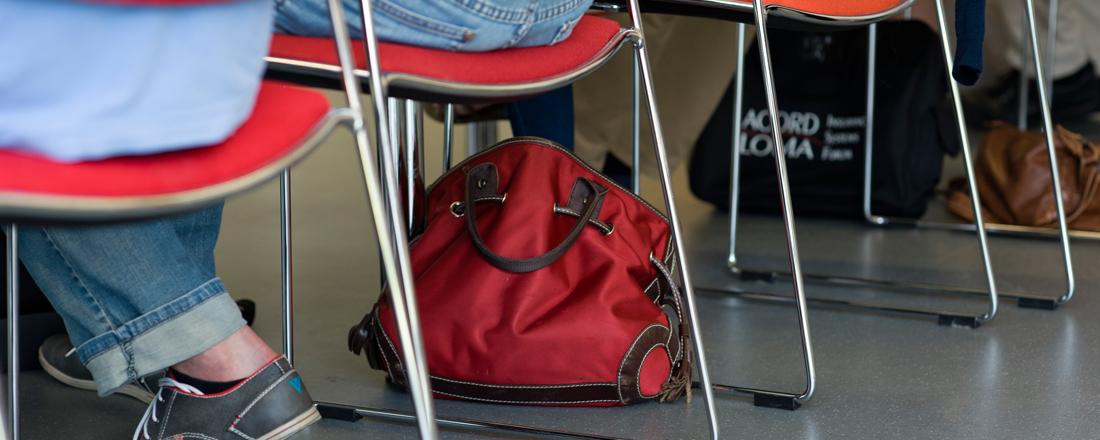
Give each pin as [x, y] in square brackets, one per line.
[482, 182]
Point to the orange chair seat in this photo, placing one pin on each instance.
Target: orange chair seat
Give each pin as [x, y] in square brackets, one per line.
[836, 8]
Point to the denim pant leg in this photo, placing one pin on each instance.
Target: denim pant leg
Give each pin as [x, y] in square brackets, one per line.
[136, 297]
[549, 116]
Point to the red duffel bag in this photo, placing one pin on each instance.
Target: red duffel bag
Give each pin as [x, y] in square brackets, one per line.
[539, 281]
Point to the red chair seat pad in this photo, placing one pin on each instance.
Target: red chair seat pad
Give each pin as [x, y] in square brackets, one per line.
[507, 66]
[282, 118]
[836, 8]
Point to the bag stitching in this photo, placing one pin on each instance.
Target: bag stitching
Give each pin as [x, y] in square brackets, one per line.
[641, 364]
[627, 356]
[533, 387]
[524, 402]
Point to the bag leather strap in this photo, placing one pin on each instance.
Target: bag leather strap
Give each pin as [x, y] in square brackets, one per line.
[482, 182]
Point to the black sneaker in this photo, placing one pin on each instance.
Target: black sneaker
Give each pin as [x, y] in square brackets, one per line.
[59, 360]
[272, 404]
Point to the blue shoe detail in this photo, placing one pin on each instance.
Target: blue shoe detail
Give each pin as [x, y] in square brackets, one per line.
[296, 382]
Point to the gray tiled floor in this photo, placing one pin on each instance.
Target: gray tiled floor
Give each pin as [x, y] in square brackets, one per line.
[1026, 375]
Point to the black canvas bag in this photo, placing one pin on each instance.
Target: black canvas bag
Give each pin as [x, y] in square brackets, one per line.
[821, 81]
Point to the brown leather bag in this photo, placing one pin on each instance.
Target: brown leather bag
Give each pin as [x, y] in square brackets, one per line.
[1013, 172]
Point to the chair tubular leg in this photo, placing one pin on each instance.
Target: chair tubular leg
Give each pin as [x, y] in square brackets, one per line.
[1063, 234]
[670, 205]
[735, 150]
[11, 425]
[1045, 89]
[352, 413]
[1025, 62]
[413, 125]
[404, 303]
[941, 316]
[448, 135]
[760, 15]
[388, 223]
[287, 265]
[761, 397]
[636, 129]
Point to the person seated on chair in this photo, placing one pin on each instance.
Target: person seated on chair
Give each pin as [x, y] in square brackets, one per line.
[467, 27]
[142, 300]
[84, 81]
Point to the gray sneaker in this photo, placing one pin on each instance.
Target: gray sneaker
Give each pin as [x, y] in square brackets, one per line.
[60, 361]
[270, 405]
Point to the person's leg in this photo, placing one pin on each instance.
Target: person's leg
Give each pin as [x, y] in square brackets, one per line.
[135, 297]
[441, 25]
[549, 116]
[1071, 53]
[142, 297]
[198, 232]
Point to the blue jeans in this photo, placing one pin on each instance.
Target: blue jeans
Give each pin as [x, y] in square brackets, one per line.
[136, 297]
[462, 25]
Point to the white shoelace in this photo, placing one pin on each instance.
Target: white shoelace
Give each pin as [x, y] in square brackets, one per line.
[151, 411]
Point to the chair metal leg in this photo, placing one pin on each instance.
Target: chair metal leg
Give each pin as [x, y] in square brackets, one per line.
[735, 149]
[869, 124]
[12, 269]
[761, 397]
[448, 135]
[1063, 234]
[388, 223]
[413, 124]
[396, 127]
[351, 413]
[760, 15]
[975, 198]
[636, 129]
[674, 218]
[1052, 44]
[480, 135]
[287, 265]
[943, 317]
[1045, 89]
[1025, 62]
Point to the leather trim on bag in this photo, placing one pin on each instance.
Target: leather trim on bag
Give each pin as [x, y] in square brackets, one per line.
[605, 228]
[649, 338]
[482, 181]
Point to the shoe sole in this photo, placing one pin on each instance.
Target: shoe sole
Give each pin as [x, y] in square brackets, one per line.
[128, 390]
[296, 424]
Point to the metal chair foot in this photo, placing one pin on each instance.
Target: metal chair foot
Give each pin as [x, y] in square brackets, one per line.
[765, 400]
[959, 321]
[349, 413]
[1038, 304]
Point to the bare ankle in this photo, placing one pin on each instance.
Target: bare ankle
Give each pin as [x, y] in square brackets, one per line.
[234, 358]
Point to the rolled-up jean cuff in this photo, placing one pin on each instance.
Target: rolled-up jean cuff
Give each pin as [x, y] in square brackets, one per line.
[175, 332]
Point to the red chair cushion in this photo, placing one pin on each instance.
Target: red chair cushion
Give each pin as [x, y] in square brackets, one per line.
[836, 8]
[508, 66]
[283, 117]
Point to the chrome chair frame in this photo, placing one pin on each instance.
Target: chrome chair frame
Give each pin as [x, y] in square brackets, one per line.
[412, 87]
[947, 318]
[760, 13]
[1063, 233]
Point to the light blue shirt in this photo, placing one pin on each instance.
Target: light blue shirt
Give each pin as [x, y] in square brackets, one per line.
[82, 81]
